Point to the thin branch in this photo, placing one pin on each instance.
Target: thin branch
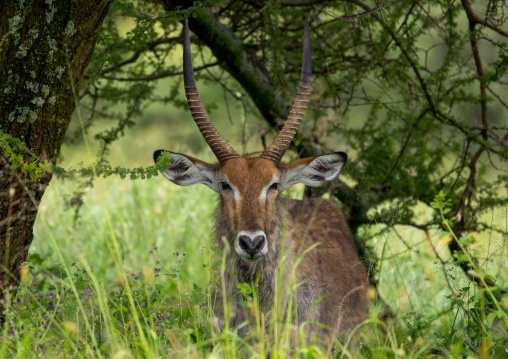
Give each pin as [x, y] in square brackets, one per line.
[415, 67]
[497, 96]
[403, 149]
[479, 69]
[149, 46]
[391, 223]
[473, 17]
[466, 195]
[157, 76]
[447, 10]
[302, 2]
[357, 16]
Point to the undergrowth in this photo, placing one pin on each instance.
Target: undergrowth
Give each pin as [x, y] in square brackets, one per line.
[134, 278]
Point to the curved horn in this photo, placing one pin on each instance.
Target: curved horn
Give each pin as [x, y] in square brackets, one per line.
[280, 145]
[219, 146]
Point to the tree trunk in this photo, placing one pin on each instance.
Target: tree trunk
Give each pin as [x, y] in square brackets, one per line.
[43, 44]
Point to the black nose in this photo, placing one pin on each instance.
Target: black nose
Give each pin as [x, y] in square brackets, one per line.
[251, 246]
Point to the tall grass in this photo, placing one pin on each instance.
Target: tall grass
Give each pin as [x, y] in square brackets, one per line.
[148, 295]
[134, 277]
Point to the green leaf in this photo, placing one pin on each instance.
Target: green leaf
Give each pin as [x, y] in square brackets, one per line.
[243, 303]
[485, 347]
[490, 318]
[461, 259]
[317, 301]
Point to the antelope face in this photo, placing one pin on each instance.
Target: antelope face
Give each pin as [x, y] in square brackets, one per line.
[249, 189]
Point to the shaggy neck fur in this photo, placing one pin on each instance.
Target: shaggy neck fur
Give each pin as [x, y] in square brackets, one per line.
[237, 270]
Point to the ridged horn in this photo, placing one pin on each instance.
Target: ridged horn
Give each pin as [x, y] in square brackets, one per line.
[219, 146]
[280, 145]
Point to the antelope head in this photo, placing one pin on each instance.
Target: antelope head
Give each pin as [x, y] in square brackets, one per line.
[250, 188]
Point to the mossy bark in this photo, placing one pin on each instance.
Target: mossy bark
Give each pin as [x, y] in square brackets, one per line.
[43, 45]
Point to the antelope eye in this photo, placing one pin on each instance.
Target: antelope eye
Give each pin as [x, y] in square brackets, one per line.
[274, 186]
[225, 186]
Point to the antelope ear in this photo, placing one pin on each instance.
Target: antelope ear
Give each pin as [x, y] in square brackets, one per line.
[185, 171]
[312, 171]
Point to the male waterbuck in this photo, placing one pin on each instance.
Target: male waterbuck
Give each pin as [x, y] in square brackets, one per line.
[263, 229]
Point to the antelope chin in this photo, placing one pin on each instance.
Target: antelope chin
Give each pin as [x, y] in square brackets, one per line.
[246, 257]
[251, 260]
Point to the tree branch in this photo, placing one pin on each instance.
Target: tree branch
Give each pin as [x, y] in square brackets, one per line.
[479, 69]
[149, 46]
[302, 2]
[158, 76]
[439, 115]
[476, 20]
[406, 141]
[357, 16]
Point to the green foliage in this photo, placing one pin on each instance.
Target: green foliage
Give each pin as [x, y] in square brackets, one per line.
[245, 290]
[172, 296]
[396, 87]
[481, 307]
[15, 150]
[105, 170]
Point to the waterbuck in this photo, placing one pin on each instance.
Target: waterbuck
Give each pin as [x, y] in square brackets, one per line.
[262, 228]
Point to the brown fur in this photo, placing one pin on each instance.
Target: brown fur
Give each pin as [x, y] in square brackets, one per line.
[332, 269]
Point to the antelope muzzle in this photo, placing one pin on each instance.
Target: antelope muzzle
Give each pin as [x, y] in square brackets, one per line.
[251, 245]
